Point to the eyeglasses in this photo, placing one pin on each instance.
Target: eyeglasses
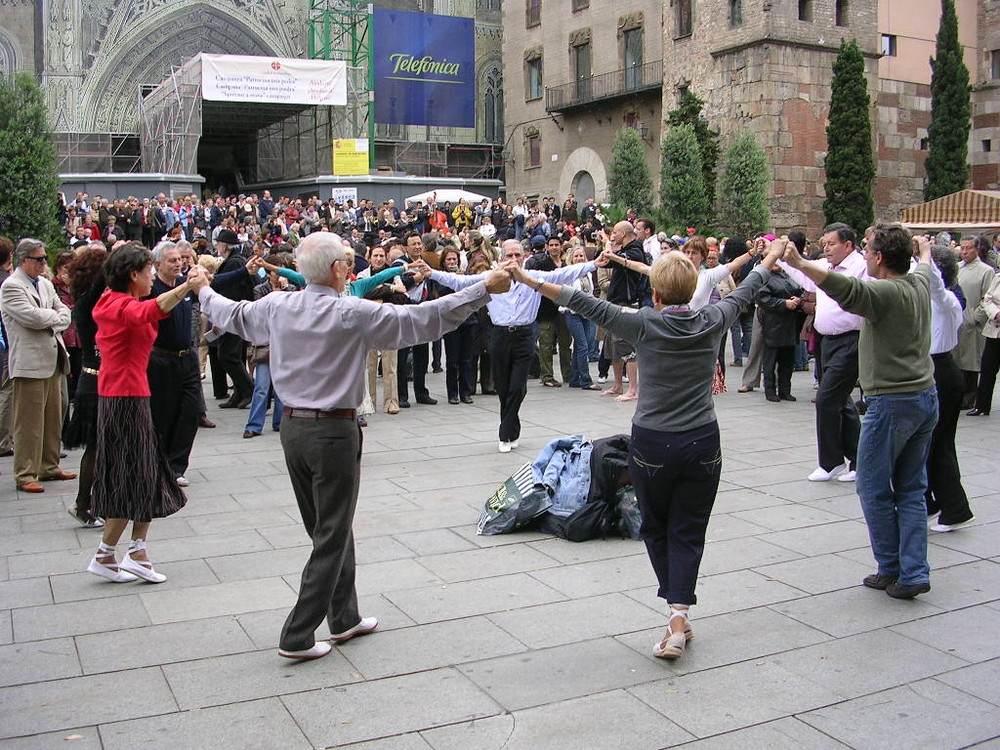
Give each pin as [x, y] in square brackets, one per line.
[37, 257]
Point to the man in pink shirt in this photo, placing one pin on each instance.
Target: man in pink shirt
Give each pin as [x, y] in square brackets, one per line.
[837, 422]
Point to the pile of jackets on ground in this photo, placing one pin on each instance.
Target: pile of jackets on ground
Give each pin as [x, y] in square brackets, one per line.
[576, 489]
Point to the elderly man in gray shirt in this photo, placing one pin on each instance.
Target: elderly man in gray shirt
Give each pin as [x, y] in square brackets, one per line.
[319, 339]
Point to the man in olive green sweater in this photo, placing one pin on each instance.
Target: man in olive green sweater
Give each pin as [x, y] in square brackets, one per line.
[897, 376]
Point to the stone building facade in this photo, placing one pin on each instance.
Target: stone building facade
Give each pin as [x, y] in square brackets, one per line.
[93, 58]
[576, 71]
[763, 66]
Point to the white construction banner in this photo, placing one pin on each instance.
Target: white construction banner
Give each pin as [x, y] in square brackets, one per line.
[273, 80]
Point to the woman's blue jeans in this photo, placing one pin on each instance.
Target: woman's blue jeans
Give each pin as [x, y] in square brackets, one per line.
[258, 404]
[579, 368]
[892, 479]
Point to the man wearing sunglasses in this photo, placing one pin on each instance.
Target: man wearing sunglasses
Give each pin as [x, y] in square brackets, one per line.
[34, 319]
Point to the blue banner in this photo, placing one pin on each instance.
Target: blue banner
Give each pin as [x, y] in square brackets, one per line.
[425, 69]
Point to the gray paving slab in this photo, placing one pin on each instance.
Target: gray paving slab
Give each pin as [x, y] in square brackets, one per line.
[754, 692]
[555, 674]
[81, 585]
[418, 701]
[424, 647]
[77, 618]
[600, 576]
[981, 680]
[411, 741]
[783, 734]
[726, 592]
[722, 639]
[566, 622]
[434, 542]
[218, 599]
[221, 680]
[80, 738]
[38, 661]
[449, 601]
[52, 706]
[871, 659]
[613, 720]
[25, 592]
[486, 562]
[854, 610]
[252, 725]
[784, 630]
[929, 712]
[819, 574]
[161, 644]
[970, 633]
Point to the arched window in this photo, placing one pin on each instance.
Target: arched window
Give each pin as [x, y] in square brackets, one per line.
[492, 87]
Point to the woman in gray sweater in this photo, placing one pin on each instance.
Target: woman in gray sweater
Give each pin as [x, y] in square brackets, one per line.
[675, 457]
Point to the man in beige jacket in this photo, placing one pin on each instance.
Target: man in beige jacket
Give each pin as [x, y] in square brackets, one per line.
[34, 318]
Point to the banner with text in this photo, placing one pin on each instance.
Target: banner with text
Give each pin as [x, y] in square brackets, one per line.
[273, 80]
[425, 69]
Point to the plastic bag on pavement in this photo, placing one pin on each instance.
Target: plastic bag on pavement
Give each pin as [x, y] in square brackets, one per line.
[628, 513]
[514, 504]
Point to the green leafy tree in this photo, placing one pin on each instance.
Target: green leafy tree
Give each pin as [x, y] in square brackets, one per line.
[629, 183]
[683, 202]
[850, 164]
[28, 173]
[688, 112]
[743, 200]
[947, 161]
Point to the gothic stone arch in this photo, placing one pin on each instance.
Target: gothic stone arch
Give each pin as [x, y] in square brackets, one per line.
[10, 53]
[584, 159]
[143, 49]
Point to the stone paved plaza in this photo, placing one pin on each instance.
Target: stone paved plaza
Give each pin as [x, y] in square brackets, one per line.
[522, 642]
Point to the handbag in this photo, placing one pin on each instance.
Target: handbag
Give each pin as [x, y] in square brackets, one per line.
[260, 355]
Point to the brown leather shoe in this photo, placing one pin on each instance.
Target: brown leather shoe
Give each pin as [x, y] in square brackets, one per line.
[30, 487]
[59, 476]
[204, 421]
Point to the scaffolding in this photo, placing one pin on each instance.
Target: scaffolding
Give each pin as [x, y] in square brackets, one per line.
[341, 30]
[170, 121]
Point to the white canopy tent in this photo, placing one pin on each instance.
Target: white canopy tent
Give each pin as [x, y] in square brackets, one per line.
[447, 195]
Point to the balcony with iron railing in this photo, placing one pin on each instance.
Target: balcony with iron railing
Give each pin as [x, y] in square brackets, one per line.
[604, 86]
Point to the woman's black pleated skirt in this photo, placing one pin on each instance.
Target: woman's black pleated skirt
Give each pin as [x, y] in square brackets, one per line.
[132, 477]
[81, 429]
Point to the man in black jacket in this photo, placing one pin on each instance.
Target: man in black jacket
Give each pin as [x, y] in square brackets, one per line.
[626, 289]
[233, 282]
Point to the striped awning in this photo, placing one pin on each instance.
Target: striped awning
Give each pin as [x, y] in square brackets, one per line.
[964, 208]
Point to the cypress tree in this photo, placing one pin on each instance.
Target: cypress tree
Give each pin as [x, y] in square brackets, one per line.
[850, 164]
[682, 184]
[743, 199]
[688, 112]
[629, 182]
[28, 171]
[947, 162]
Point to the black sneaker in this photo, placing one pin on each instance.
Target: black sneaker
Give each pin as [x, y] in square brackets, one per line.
[877, 581]
[899, 591]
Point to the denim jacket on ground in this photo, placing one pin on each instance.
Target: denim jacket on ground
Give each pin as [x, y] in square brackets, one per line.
[563, 467]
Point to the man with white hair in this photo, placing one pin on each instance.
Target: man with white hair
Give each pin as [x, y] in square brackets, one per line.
[319, 338]
[173, 371]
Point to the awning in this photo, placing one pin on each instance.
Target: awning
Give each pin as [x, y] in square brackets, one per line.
[965, 211]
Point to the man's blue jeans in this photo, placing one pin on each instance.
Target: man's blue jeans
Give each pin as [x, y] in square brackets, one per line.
[258, 405]
[892, 479]
[581, 329]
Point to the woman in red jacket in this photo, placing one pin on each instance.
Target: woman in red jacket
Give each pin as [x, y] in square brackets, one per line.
[132, 479]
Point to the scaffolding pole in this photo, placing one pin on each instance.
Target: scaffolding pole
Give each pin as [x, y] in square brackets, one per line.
[342, 30]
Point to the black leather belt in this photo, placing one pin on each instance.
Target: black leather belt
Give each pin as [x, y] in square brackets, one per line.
[514, 328]
[179, 353]
[288, 411]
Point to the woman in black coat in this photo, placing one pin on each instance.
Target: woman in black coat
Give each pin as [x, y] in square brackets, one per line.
[780, 301]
